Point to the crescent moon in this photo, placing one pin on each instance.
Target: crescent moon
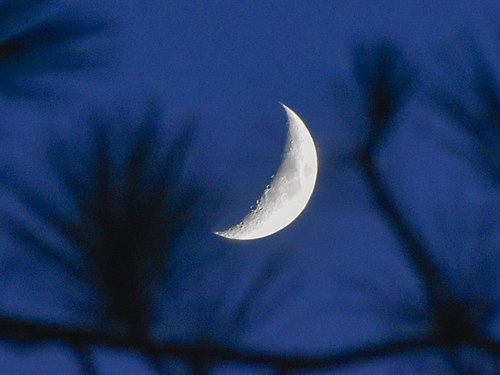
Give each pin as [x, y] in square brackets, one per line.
[288, 193]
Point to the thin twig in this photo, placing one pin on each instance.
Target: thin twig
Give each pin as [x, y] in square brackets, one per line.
[417, 252]
[82, 354]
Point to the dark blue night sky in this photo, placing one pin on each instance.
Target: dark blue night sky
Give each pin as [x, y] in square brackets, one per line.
[130, 130]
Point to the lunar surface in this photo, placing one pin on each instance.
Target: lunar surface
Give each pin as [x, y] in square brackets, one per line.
[289, 191]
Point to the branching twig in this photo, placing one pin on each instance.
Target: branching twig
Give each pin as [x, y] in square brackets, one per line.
[417, 252]
[385, 83]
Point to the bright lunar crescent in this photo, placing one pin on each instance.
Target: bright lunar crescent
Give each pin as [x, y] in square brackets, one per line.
[289, 191]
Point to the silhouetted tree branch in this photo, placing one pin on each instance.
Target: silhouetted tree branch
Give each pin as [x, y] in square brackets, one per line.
[28, 331]
[385, 77]
[35, 40]
[83, 357]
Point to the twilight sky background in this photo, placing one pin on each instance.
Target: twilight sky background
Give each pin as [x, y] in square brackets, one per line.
[341, 279]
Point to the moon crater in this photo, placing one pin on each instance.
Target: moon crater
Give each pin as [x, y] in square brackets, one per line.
[288, 193]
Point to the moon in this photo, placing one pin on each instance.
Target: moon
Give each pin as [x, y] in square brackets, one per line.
[290, 189]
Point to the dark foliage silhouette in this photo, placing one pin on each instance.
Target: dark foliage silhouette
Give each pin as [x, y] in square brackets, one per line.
[132, 211]
[385, 78]
[376, 74]
[136, 224]
[36, 40]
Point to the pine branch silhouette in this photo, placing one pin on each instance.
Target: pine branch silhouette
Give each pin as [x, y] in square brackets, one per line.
[385, 76]
[137, 209]
[29, 331]
[35, 40]
[385, 79]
